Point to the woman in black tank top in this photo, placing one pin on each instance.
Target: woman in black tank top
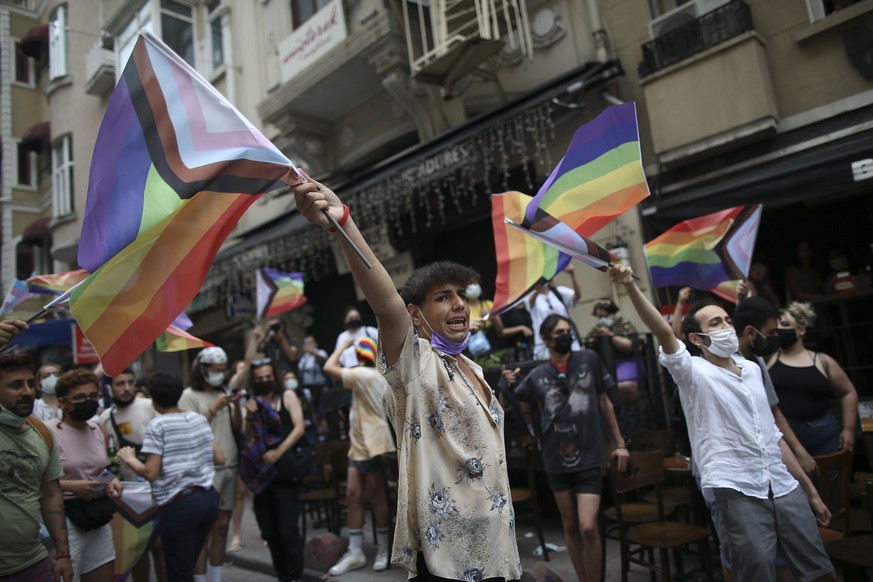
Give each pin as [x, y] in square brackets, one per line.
[806, 381]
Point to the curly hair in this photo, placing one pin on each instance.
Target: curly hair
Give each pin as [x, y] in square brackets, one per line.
[426, 278]
[802, 313]
[73, 379]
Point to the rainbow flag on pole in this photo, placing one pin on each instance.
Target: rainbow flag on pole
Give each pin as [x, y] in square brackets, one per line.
[706, 251]
[56, 284]
[175, 339]
[600, 176]
[174, 167]
[277, 291]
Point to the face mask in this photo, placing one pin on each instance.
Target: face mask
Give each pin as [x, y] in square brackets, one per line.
[606, 321]
[9, 418]
[444, 345]
[47, 385]
[474, 291]
[262, 388]
[291, 384]
[787, 337]
[564, 343]
[84, 410]
[770, 344]
[723, 343]
[353, 324]
[214, 379]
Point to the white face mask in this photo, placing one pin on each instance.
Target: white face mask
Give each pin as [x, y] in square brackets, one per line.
[722, 343]
[606, 321]
[474, 291]
[47, 384]
[291, 384]
[214, 379]
[9, 418]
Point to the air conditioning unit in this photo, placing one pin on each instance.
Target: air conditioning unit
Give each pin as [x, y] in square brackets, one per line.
[673, 19]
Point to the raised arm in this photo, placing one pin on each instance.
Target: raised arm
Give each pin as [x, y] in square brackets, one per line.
[652, 318]
[679, 311]
[332, 366]
[378, 287]
[577, 291]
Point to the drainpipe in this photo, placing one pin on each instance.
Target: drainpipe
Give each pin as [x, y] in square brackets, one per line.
[598, 32]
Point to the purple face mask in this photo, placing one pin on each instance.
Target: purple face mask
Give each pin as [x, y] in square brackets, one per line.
[444, 345]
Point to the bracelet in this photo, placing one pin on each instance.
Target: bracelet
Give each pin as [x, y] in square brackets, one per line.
[63, 555]
[342, 221]
[621, 447]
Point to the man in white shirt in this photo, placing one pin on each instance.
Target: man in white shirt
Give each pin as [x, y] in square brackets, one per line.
[547, 300]
[746, 469]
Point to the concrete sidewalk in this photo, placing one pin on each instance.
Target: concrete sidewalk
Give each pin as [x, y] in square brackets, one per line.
[256, 556]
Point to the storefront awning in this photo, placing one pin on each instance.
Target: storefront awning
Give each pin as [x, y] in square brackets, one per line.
[35, 138]
[37, 231]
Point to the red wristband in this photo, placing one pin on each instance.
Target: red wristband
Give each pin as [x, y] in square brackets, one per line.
[341, 221]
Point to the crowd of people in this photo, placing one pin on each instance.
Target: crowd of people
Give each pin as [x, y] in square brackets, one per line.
[755, 397]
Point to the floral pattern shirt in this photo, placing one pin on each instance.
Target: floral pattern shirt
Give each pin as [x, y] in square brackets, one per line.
[454, 502]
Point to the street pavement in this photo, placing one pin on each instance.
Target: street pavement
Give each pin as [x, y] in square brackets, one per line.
[255, 556]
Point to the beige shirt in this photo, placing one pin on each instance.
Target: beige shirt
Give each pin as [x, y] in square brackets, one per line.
[369, 432]
[454, 502]
[132, 421]
[222, 430]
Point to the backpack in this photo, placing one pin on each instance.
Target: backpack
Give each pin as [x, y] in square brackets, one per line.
[40, 427]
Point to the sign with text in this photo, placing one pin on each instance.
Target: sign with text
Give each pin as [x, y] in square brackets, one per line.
[312, 40]
[83, 351]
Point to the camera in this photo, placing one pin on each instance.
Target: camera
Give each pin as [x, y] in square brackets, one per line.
[276, 326]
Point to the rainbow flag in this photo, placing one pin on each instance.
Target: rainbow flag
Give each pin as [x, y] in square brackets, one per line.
[56, 284]
[600, 177]
[277, 292]
[18, 292]
[706, 251]
[134, 526]
[174, 167]
[523, 262]
[176, 339]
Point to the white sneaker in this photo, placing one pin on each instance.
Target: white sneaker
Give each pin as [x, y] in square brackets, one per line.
[381, 561]
[351, 560]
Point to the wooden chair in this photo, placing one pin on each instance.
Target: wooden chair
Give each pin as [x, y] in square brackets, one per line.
[646, 470]
[527, 492]
[834, 483]
[854, 553]
[322, 491]
[661, 440]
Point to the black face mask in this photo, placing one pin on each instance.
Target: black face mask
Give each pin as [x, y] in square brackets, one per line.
[564, 343]
[787, 337]
[84, 410]
[263, 388]
[353, 324]
[764, 346]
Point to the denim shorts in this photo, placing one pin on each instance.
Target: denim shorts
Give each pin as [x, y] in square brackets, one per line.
[584, 481]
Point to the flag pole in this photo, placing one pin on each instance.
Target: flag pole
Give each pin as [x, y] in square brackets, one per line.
[349, 240]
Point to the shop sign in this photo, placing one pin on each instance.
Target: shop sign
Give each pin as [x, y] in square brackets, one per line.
[314, 39]
[83, 350]
[862, 169]
[438, 165]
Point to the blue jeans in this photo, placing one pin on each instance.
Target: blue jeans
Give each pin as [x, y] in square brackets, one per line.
[185, 524]
[819, 436]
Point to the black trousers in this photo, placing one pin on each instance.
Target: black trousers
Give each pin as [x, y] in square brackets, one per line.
[277, 510]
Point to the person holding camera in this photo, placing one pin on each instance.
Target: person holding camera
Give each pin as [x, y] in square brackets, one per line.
[209, 396]
[274, 344]
[572, 387]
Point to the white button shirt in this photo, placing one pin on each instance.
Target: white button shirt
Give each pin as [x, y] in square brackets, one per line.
[734, 438]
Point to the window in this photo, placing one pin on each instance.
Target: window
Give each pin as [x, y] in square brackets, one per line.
[818, 9]
[62, 177]
[216, 37]
[23, 66]
[25, 165]
[303, 10]
[177, 28]
[59, 65]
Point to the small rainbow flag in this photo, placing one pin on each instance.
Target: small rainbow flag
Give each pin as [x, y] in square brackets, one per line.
[523, 262]
[56, 284]
[706, 251]
[277, 291]
[176, 339]
[134, 526]
[174, 167]
[600, 176]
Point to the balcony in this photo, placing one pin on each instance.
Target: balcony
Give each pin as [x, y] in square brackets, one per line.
[690, 76]
[115, 14]
[99, 70]
[696, 36]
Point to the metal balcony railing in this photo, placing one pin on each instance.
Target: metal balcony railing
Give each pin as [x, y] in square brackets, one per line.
[711, 29]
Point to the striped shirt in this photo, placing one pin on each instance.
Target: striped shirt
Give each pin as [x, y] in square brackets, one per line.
[184, 441]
